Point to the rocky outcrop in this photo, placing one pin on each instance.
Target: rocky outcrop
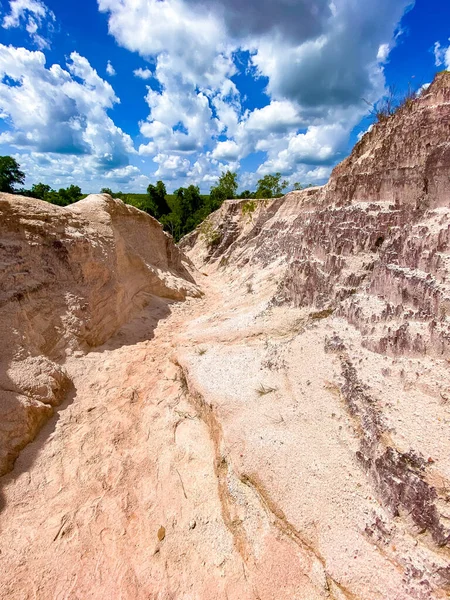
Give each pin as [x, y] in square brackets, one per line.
[403, 160]
[360, 269]
[70, 278]
[373, 244]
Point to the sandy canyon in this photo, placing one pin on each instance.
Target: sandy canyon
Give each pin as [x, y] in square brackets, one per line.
[260, 413]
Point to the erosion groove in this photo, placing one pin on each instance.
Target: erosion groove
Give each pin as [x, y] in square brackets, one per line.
[399, 476]
[230, 512]
[221, 465]
[282, 524]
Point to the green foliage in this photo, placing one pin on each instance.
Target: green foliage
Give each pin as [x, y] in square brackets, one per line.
[226, 189]
[179, 213]
[299, 186]
[119, 195]
[271, 186]
[216, 198]
[39, 190]
[63, 197]
[189, 209]
[146, 202]
[211, 236]
[248, 208]
[172, 224]
[10, 174]
[157, 202]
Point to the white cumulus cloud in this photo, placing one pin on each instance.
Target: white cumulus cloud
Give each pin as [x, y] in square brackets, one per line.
[318, 59]
[110, 69]
[228, 151]
[33, 15]
[171, 166]
[143, 73]
[63, 170]
[60, 111]
[442, 55]
[315, 59]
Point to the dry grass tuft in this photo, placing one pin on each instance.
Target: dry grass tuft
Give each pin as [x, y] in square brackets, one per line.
[322, 314]
[263, 390]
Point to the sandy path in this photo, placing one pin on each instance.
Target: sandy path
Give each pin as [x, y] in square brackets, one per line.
[117, 497]
[167, 475]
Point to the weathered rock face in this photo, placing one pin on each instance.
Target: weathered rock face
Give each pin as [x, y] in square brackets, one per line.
[372, 244]
[362, 268]
[404, 160]
[70, 277]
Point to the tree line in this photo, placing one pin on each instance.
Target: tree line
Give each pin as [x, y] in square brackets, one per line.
[179, 213]
[11, 176]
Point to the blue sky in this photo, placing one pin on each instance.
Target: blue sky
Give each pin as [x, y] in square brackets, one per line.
[120, 93]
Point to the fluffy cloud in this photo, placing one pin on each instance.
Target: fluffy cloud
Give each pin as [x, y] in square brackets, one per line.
[315, 59]
[63, 170]
[188, 40]
[319, 145]
[276, 117]
[60, 111]
[297, 20]
[228, 151]
[442, 55]
[34, 15]
[110, 69]
[143, 73]
[318, 59]
[337, 67]
[171, 166]
[180, 117]
[193, 65]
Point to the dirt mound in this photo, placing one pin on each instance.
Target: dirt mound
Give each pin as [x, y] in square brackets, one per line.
[70, 278]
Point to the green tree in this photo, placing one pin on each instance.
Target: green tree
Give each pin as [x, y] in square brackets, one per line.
[270, 186]
[107, 191]
[10, 174]
[188, 201]
[64, 196]
[226, 189]
[188, 211]
[40, 190]
[172, 224]
[121, 196]
[297, 186]
[71, 194]
[158, 206]
[216, 197]
[228, 183]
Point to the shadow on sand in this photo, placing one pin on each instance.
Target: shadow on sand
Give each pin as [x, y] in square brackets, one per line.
[32, 450]
[140, 329]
